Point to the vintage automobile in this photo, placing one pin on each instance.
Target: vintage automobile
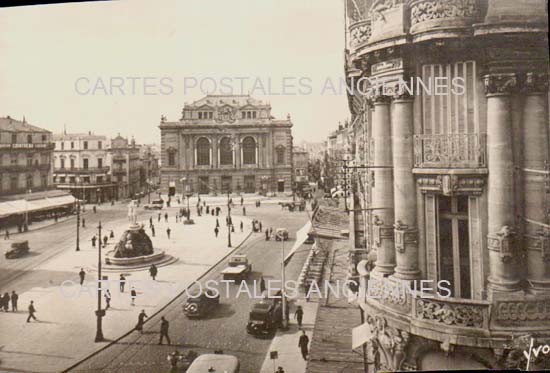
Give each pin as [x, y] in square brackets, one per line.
[17, 249]
[214, 363]
[238, 268]
[281, 234]
[202, 304]
[265, 317]
[154, 205]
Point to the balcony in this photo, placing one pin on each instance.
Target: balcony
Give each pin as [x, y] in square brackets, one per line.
[25, 168]
[119, 171]
[78, 171]
[464, 150]
[23, 146]
[438, 15]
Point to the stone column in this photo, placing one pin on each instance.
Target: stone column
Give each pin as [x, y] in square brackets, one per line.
[382, 192]
[503, 254]
[535, 156]
[404, 190]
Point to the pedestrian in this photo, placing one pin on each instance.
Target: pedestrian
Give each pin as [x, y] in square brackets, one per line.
[176, 217]
[6, 301]
[83, 223]
[133, 295]
[271, 231]
[244, 211]
[242, 226]
[216, 231]
[141, 320]
[212, 212]
[174, 358]
[112, 234]
[280, 370]
[299, 315]
[105, 239]
[166, 217]
[260, 226]
[217, 223]
[207, 210]
[153, 271]
[242, 200]
[153, 230]
[107, 296]
[266, 235]
[262, 284]
[168, 230]
[159, 218]
[150, 221]
[32, 311]
[94, 239]
[122, 283]
[95, 210]
[7, 235]
[232, 228]
[82, 275]
[164, 330]
[303, 343]
[14, 299]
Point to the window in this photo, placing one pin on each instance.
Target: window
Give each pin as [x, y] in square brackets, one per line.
[44, 138]
[72, 144]
[29, 139]
[171, 158]
[99, 145]
[72, 164]
[210, 115]
[29, 182]
[254, 114]
[85, 144]
[203, 152]
[85, 163]
[44, 181]
[200, 114]
[100, 163]
[226, 152]
[62, 163]
[243, 114]
[13, 138]
[249, 150]
[13, 159]
[62, 179]
[248, 115]
[99, 179]
[62, 145]
[29, 159]
[280, 155]
[13, 183]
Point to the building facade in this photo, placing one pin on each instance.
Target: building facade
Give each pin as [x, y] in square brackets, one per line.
[82, 166]
[226, 144]
[300, 166]
[455, 181]
[150, 169]
[26, 153]
[126, 167]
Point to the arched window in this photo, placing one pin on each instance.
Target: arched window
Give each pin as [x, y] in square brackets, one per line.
[203, 152]
[226, 152]
[249, 150]
[280, 154]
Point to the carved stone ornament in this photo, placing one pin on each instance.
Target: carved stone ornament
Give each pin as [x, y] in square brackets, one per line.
[539, 242]
[389, 343]
[535, 83]
[226, 114]
[379, 231]
[380, 6]
[503, 241]
[463, 315]
[500, 84]
[510, 312]
[404, 236]
[427, 10]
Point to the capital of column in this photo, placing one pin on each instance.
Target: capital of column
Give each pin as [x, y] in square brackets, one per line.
[379, 96]
[500, 84]
[535, 83]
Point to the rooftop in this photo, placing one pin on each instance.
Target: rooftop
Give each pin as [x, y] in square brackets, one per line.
[223, 100]
[9, 124]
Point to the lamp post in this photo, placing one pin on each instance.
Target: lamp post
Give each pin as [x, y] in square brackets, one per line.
[188, 194]
[229, 221]
[77, 224]
[99, 312]
[283, 293]
[148, 190]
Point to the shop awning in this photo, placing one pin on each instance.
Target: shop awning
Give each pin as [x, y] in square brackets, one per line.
[21, 206]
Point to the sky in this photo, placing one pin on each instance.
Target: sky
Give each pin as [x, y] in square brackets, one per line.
[116, 67]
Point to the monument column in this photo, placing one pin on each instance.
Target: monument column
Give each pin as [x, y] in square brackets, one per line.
[503, 251]
[382, 191]
[404, 189]
[535, 158]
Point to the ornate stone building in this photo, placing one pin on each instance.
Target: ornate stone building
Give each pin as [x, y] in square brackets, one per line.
[456, 182]
[226, 144]
[126, 167]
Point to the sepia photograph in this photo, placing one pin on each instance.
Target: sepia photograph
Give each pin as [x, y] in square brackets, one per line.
[274, 186]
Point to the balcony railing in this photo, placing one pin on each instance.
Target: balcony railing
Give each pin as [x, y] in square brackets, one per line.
[23, 146]
[465, 150]
[24, 168]
[89, 170]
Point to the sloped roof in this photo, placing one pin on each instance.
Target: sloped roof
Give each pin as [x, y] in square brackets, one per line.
[8, 124]
[223, 100]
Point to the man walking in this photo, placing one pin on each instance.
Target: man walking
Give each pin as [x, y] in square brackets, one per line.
[105, 239]
[141, 320]
[153, 230]
[299, 315]
[164, 330]
[133, 295]
[153, 270]
[150, 221]
[166, 217]
[159, 218]
[107, 296]
[83, 223]
[244, 211]
[7, 235]
[112, 234]
[32, 311]
[122, 282]
[303, 344]
[242, 226]
[216, 231]
[217, 223]
[82, 275]
[14, 299]
[242, 200]
[94, 238]
[168, 230]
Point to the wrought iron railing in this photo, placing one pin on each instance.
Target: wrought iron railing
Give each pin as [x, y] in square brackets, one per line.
[463, 150]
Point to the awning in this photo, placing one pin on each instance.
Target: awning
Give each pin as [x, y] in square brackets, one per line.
[21, 206]
[301, 236]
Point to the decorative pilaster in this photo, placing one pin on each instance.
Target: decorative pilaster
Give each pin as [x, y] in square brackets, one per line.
[535, 155]
[382, 192]
[404, 189]
[503, 256]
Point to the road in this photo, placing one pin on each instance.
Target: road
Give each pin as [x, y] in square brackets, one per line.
[222, 330]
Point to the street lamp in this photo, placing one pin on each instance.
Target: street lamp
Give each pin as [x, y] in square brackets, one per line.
[229, 221]
[99, 312]
[77, 224]
[188, 194]
[283, 294]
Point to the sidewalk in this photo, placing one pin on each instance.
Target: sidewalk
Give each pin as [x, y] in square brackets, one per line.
[66, 326]
[286, 341]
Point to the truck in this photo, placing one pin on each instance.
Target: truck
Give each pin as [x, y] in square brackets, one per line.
[264, 318]
[238, 268]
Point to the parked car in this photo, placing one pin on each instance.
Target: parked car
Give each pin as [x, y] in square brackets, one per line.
[154, 205]
[201, 305]
[214, 363]
[266, 315]
[281, 234]
[17, 249]
[310, 239]
[238, 268]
